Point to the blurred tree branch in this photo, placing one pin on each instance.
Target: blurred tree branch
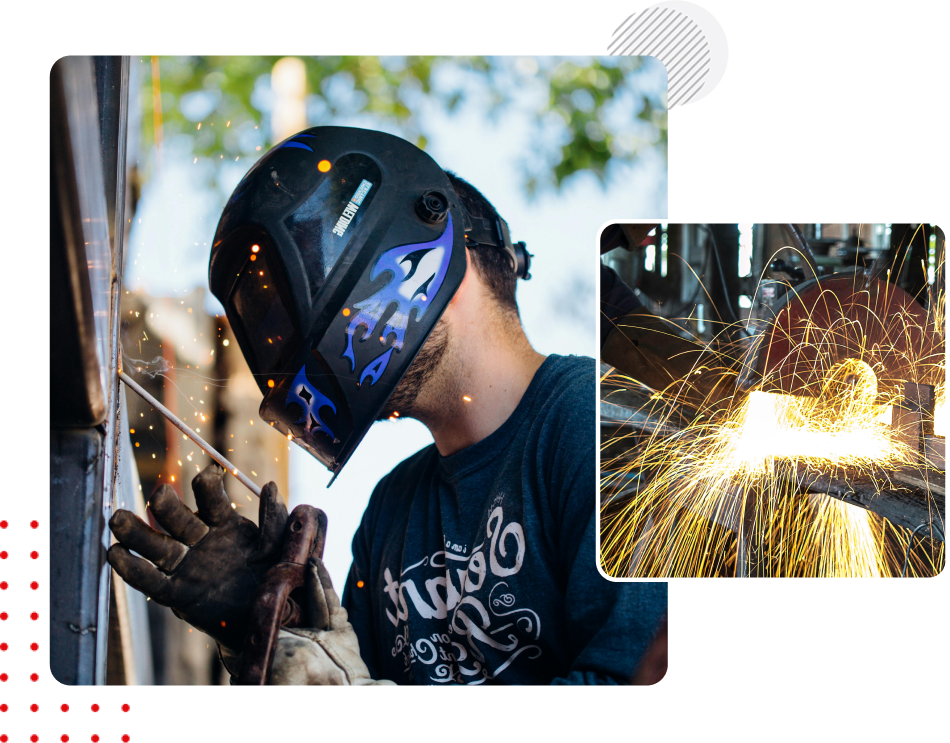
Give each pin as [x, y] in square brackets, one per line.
[589, 114]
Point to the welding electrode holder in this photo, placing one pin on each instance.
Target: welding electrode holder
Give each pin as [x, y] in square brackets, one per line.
[274, 607]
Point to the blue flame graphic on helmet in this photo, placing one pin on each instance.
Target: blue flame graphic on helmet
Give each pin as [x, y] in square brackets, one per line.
[311, 400]
[417, 274]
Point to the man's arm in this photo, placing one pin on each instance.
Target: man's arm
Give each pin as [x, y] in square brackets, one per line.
[610, 625]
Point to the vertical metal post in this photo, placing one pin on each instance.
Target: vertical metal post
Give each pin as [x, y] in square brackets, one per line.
[112, 83]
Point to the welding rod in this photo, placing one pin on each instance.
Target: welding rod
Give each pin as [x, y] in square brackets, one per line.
[181, 426]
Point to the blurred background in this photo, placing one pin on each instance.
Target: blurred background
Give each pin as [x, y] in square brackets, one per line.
[703, 277]
[560, 146]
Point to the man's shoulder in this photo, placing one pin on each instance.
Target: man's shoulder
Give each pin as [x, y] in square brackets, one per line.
[563, 421]
[567, 387]
[412, 469]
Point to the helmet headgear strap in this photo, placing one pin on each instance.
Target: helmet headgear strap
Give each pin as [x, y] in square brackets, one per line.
[492, 232]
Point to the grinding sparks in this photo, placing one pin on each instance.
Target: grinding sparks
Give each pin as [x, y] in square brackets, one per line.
[739, 488]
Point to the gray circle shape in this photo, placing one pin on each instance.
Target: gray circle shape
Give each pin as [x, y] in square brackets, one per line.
[685, 38]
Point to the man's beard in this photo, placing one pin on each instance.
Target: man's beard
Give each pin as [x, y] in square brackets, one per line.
[421, 373]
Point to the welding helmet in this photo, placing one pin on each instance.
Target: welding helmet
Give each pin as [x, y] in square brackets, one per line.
[334, 258]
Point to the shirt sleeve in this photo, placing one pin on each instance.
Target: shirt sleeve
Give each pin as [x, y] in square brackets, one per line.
[616, 300]
[610, 625]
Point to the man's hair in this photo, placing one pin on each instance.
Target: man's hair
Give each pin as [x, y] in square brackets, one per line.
[492, 264]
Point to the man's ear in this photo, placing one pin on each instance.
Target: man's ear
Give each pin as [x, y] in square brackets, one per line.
[467, 280]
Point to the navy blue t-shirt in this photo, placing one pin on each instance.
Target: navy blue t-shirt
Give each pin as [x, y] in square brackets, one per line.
[480, 567]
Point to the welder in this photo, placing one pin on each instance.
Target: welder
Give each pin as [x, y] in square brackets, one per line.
[363, 283]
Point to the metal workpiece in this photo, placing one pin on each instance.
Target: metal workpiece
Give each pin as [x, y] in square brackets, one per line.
[89, 114]
[185, 429]
[906, 498]
[75, 529]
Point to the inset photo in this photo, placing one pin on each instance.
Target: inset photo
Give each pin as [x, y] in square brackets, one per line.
[772, 400]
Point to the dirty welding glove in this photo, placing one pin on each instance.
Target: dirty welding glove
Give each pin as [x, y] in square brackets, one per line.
[328, 652]
[208, 570]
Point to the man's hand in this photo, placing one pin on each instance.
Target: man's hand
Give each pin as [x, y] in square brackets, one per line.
[327, 653]
[209, 569]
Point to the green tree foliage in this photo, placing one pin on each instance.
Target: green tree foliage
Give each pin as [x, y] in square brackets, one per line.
[587, 113]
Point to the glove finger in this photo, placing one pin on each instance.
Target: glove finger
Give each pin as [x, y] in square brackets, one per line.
[214, 506]
[175, 517]
[318, 610]
[272, 517]
[141, 574]
[336, 617]
[136, 535]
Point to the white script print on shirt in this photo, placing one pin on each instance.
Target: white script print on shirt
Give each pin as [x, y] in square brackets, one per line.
[479, 604]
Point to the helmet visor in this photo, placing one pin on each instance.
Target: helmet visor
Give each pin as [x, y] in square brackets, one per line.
[263, 320]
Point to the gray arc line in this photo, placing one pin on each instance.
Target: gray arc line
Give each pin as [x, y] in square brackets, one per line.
[676, 40]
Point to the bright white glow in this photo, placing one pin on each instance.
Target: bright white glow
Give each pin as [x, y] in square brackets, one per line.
[663, 251]
[745, 250]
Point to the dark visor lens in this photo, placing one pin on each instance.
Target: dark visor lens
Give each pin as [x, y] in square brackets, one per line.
[323, 225]
[264, 318]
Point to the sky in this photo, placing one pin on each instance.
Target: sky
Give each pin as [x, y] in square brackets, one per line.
[177, 214]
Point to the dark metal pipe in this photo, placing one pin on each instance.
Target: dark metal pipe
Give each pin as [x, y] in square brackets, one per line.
[802, 245]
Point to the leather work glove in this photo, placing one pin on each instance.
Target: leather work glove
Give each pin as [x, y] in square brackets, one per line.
[208, 570]
[326, 654]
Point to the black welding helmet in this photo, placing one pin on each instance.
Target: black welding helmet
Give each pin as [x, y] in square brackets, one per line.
[334, 259]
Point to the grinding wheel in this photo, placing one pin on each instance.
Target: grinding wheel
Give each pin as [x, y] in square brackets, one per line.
[823, 322]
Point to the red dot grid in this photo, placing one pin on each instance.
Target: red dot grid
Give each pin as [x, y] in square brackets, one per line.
[34, 737]
[34, 524]
[95, 739]
[34, 554]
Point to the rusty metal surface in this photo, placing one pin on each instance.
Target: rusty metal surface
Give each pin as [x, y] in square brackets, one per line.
[274, 607]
